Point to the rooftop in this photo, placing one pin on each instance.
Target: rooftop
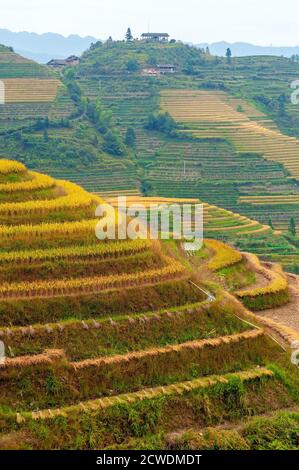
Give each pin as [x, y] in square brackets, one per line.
[167, 66]
[166, 35]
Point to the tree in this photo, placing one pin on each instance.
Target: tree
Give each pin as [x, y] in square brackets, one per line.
[228, 54]
[292, 227]
[46, 135]
[130, 139]
[270, 223]
[69, 73]
[282, 100]
[129, 36]
[161, 122]
[102, 118]
[132, 65]
[74, 91]
[146, 187]
[113, 143]
[109, 41]
[40, 124]
[189, 69]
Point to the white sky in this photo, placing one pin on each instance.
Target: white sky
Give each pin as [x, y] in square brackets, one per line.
[261, 22]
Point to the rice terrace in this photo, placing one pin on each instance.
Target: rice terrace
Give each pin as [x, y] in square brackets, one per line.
[143, 344]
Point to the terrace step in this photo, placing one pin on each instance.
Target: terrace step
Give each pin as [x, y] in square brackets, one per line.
[180, 388]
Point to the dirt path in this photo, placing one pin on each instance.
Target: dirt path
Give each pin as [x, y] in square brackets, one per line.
[260, 279]
[288, 314]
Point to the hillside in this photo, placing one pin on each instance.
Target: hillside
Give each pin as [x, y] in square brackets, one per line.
[121, 344]
[110, 93]
[211, 167]
[212, 115]
[13, 65]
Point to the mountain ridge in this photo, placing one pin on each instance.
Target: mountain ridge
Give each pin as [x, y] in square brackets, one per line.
[43, 47]
[46, 46]
[242, 49]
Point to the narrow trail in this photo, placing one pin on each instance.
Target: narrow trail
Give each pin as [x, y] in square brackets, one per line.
[289, 313]
[260, 280]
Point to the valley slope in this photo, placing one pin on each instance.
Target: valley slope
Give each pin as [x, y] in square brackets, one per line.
[242, 157]
[120, 343]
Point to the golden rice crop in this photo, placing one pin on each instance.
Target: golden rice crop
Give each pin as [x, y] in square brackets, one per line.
[52, 355]
[75, 198]
[224, 255]
[38, 181]
[214, 115]
[11, 166]
[57, 287]
[99, 250]
[193, 345]
[277, 280]
[179, 388]
[47, 357]
[24, 90]
[47, 229]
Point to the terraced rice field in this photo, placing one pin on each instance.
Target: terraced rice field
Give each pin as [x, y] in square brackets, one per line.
[270, 200]
[100, 178]
[216, 221]
[209, 169]
[9, 57]
[97, 329]
[213, 114]
[13, 65]
[30, 90]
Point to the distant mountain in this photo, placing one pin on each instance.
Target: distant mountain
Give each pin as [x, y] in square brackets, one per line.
[43, 47]
[242, 49]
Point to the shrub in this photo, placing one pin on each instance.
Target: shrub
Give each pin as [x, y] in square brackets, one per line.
[161, 122]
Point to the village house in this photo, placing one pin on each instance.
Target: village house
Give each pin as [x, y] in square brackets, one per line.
[166, 68]
[160, 69]
[155, 37]
[153, 71]
[72, 60]
[56, 63]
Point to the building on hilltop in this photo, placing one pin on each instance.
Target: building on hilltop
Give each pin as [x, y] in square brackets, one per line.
[72, 60]
[155, 37]
[153, 71]
[56, 63]
[166, 68]
[159, 69]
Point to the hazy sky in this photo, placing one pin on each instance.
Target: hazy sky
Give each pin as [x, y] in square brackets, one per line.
[262, 22]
